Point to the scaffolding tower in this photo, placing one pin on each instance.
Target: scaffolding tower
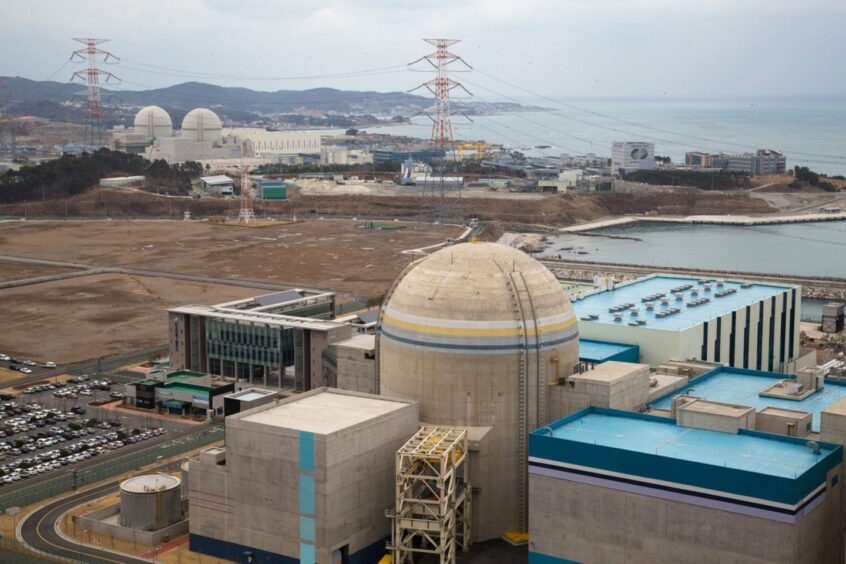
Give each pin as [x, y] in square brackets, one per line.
[433, 496]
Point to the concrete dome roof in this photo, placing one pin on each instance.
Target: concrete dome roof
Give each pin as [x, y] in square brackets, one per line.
[153, 121]
[202, 124]
[465, 294]
[150, 483]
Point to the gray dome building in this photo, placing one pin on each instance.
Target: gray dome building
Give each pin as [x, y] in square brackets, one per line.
[476, 333]
[153, 122]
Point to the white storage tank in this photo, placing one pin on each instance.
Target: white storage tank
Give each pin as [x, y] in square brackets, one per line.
[151, 502]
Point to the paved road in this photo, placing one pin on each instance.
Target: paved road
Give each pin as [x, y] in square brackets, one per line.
[38, 529]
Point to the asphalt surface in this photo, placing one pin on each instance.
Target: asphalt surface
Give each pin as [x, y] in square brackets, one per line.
[38, 529]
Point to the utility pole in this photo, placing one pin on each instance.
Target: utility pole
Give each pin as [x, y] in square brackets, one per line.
[93, 55]
[434, 198]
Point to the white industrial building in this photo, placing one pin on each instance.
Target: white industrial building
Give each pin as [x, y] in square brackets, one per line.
[738, 323]
[271, 145]
[627, 156]
[203, 138]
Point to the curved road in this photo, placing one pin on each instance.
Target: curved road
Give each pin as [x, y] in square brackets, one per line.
[38, 529]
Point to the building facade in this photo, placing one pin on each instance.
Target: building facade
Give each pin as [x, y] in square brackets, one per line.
[627, 156]
[275, 340]
[304, 479]
[738, 323]
[613, 486]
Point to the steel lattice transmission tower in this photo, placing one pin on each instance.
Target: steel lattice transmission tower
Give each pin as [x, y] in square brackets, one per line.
[246, 214]
[434, 198]
[93, 56]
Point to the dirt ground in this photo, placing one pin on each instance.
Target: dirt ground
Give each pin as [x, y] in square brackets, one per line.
[81, 318]
[89, 316]
[332, 254]
[19, 271]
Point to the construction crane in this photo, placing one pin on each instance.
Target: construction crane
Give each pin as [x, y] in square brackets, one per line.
[246, 215]
[479, 148]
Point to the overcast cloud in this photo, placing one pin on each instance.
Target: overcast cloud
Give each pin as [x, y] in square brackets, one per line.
[561, 48]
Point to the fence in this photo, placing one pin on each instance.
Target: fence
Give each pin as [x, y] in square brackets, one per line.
[12, 551]
[112, 362]
[67, 481]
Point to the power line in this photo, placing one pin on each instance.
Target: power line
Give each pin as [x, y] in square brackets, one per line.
[639, 125]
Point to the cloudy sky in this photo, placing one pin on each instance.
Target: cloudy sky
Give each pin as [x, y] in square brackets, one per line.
[566, 48]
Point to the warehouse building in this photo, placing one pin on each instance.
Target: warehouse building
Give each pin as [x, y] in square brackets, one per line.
[738, 323]
[274, 340]
[318, 495]
[612, 486]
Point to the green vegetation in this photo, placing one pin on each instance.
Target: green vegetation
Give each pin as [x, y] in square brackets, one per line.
[720, 180]
[70, 175]
[804, 174]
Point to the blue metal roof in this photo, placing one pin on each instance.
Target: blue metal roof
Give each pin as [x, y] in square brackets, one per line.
[603, 351]
[773, 467]
[643, 290]
[742, 387]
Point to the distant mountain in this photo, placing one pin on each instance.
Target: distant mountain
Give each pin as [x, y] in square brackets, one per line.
[55, 100]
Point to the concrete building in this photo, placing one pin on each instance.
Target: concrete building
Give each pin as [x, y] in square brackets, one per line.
[351, 364]
[611, 486]
[304, 479]
[179, 392]
[761, 162]
[274, 340]
[476, 333]
[246, 399]
[632, 155]
[273, 145]
[743, 324]
[339, 154]
[219, 184]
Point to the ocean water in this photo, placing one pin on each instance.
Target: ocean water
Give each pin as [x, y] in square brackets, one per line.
[810, 130]
[807, 249]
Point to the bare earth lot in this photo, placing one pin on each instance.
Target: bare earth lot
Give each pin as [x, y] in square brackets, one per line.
[80, 318]
[98, 315]
[17, 271]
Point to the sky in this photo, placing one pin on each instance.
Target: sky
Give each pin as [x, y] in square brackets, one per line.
[563, 48]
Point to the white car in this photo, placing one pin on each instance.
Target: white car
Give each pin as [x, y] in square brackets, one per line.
[50, 364]
[5, 357]
[30, 363]
[25, 370]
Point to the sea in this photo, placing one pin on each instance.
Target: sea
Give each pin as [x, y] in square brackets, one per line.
[810, 130]
[806, 249]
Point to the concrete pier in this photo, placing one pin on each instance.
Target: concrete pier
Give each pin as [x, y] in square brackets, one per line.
[744, 220]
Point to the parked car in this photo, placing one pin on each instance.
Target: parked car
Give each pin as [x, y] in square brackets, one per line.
[49, 364]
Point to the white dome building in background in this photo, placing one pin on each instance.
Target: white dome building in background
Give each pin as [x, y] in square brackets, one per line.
[202, 124]
[153, 122]
[202, 138]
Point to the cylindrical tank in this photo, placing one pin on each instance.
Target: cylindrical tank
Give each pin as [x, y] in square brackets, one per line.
[184, 471]
[476, 332]
[151, 502]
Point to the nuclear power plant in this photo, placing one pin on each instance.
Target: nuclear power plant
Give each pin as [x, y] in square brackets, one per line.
[202, 137]
[489, 425]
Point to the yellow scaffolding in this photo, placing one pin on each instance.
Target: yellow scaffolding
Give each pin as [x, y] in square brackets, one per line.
[433, 496]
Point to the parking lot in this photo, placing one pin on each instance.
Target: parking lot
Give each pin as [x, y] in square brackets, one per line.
[28, 367]
[35, 439]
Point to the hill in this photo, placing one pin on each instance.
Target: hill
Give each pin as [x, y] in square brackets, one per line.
[55, 100]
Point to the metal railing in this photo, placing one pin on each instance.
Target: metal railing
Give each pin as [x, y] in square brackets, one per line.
[105, 364]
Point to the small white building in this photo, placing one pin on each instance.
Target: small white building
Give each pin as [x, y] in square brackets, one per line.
[627, 156]
[221, 184]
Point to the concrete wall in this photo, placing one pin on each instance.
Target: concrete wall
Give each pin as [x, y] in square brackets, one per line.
[256, 499]
[94, 521]
[592, 524]
[356, 371]
[615, 385]
[781, 421]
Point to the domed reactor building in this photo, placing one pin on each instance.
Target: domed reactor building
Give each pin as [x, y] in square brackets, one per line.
[476, 333]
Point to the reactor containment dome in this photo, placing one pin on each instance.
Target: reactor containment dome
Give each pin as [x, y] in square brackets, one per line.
[476, 333]
[202, 124]
[153, 122]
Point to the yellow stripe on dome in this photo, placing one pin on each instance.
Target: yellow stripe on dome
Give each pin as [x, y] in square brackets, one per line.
[480, 332]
